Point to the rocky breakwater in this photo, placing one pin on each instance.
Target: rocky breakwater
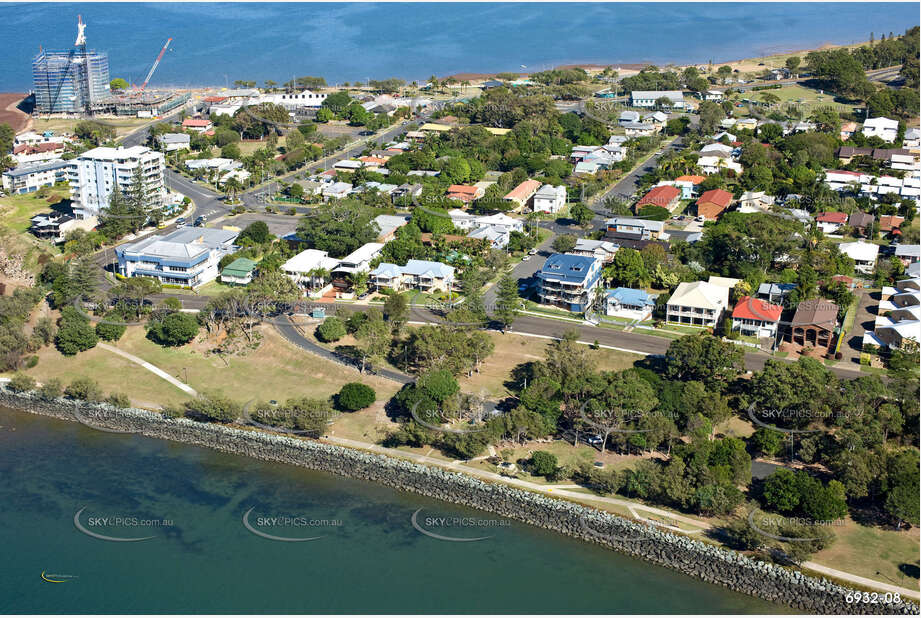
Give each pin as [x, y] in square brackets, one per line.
[681, 553]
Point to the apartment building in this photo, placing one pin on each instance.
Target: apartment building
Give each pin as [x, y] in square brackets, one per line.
[97, 172]
[188, 256]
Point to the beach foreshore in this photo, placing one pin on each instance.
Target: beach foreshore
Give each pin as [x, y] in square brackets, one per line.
[695, 558]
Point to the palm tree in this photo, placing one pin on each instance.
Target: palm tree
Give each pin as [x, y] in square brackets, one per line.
[231, 187]
[358, 281]
[317, 275]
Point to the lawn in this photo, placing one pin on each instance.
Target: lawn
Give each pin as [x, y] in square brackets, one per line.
[867, 550]
[16, 210]
[122, 126]
[276, 370]
[807, 97]
[513, 350]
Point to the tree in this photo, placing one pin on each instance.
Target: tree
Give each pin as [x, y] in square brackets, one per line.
[75, 333]
[118, 84]
[564, 243]
[781, 491]
[581, 214]
[231, 151]
[704, 358]
[507, 301]
[257, 231]
[628, 269]
[792, 64]
[213, 407]
[544, 464]
[355, 396]
[21, 382]
[396, 310]
[338, 227]
[374, 336]
[174, 329]
[111, 330]
[331, 329]
[710, 116]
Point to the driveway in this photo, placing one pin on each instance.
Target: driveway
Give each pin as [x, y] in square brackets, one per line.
[865, 321]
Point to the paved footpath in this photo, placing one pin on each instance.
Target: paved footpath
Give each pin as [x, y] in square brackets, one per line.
[151, 368]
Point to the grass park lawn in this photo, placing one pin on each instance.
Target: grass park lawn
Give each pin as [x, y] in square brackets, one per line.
[122, 126]
[866, 550]
[808, 97]
[513, 350]
[276, 370]
[16, 210]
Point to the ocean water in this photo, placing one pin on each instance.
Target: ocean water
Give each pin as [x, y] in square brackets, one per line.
[202, 559]
[215, 44]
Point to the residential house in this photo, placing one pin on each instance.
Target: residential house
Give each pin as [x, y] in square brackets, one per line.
[648, 98]
[522, 194]
[55, 225]
[389, 224]
[755, 317]
[632, 228]
[187, 257]
[628, 117]
[814, 324]
[358, 261]
[199, 125]
[711, 204]
[885, 128]
[898, 321]
[639, 129]
[601, 249]
[496, 235]
[861, 222]
[717, 149]
[686, 188]
[311, 269]
[729, 136]
[831, 222]
[863, 253]
[464, 193]
[656, 118]
[775, 293]
[629, 303]
[847, 130]
[336, 190]
[238, 272]
[664, 196]
[756, 201]
[33, 176]
[420, 275]
[912, 139]
[583, 167]
[172, 142]
[569, 281]
[713, 95]
[406, 192]
[712, 164]
[549, 199]
[890, 224]
[908, 254]
[348, 165]
[746, 123]
[697, 303]
[34, 153]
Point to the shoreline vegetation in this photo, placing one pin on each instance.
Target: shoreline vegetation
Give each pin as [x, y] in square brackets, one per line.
[684, 554]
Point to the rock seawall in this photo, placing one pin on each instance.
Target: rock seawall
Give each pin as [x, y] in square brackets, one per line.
[689, 556]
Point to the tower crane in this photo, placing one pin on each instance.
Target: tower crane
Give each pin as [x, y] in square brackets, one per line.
[155, 64]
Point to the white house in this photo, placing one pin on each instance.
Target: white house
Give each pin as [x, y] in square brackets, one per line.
[648, 98]
[755, 201]
[912, 139]
[336, 190]
[311, 269]
[756, 317]
[716, 148]
[697, 303]
[292, 100]
[175, 141]
[603, 250]
[628, 116]
[863, 253]
[639, 129]
[550, 199]
[33, 176]
[713, 95]
[630, 304]
[885, 128]
[496, 235]
[417, 275]
[358, 261]
[712, 164]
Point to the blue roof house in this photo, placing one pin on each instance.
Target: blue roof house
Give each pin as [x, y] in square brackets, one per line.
[629, 303]
[569, 281]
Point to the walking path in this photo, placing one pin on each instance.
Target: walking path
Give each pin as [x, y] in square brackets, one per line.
[151, 368]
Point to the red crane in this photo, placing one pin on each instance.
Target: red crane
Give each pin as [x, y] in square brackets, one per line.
[156, 62]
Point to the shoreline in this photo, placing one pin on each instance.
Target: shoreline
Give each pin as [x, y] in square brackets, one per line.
[681, 553]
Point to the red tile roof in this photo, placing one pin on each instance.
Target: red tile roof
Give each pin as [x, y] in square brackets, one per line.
[377, 160]
[37, 148]
[712, 203]
[659, 196]
[888, 223]
[749, 308]
[692, 178]
[196, 122]
[523, 191]
[214, 99]
[831, 217]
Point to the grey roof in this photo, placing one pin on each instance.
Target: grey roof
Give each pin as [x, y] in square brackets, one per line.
[648, 224]
[175, 138]
[184, 242]
[908, 251]
[31, 168]
[673, 95]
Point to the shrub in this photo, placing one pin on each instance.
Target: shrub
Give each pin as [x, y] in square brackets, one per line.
[214, 407]
[174, 330]
[355, 396]
[84, 388]
[51, 389]
[544, 463]
[332, 329]
[32, 361]
[21, 382]
[119, 400]
[107, 331]
[75, 333]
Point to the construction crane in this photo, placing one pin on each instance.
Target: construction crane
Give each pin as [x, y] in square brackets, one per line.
[155, 64]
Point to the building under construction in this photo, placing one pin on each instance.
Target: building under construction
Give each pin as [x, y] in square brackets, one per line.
[140, 103]
[70, 81]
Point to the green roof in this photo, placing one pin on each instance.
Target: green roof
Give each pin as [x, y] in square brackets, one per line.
[240, 267]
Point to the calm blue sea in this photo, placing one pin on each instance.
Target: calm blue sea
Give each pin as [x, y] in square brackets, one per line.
[214, 43]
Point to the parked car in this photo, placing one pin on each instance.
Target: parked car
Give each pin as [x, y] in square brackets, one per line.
[199, 221]
[526, 258]
[594, 440]
[180, 221]
[532, 252]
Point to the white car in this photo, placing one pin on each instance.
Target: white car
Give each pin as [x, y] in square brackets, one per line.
[526, 258]
[594, 440]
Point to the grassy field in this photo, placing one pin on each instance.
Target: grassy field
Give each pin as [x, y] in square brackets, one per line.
[122, 126]
[16, 210]
[276, 370]
[807, 98]
[866, 551]
[513, 350]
